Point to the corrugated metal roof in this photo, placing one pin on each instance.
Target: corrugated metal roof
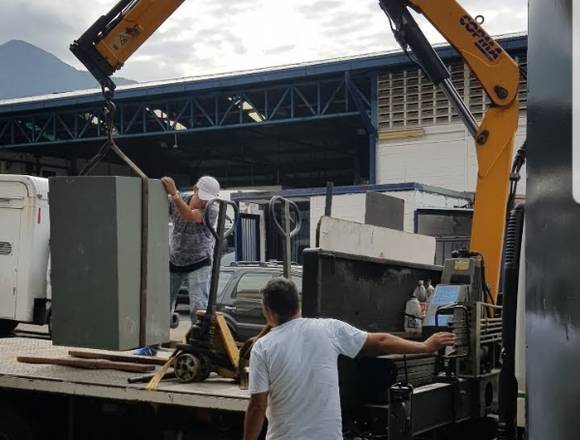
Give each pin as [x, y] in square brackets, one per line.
[233, 79]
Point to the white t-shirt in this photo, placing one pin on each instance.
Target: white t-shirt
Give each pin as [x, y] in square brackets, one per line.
[296, 363]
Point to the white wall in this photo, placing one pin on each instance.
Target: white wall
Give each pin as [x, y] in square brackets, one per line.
[345, 206]
[352, 207]
[444, 156]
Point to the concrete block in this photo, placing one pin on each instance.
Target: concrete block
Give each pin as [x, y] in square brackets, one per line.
[96, 259]
[354, 238]
[385, 211]
[370, 208]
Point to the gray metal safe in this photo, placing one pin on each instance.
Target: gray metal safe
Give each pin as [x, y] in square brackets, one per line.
[95, 244]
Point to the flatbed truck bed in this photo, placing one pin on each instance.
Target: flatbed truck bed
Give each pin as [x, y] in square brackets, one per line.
[66, 403]
[75, 403]
[216, 393]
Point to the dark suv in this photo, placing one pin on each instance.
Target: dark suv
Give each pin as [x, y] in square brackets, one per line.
[239, 294]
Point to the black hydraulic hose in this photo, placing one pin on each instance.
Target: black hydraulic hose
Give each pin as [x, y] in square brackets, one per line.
[508, 385]
[409, 35]
[103, 23]
[515, 176]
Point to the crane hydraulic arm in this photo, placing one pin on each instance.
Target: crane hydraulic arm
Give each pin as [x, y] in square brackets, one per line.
[499, 76]
[114, 37]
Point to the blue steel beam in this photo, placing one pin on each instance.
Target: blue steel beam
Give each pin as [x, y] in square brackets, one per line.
[259, 106]
[364, 110]
[202, 129]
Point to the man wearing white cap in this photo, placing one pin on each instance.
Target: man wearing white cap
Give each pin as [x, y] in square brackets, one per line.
[191, 245]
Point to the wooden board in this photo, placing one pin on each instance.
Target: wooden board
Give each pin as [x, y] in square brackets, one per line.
[117, 357]
[229, 344]
[87, 364]
[216, 393]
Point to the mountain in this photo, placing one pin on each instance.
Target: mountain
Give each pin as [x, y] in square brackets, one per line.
[27, 70]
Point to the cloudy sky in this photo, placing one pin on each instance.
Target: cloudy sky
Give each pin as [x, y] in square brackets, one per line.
[211, 36]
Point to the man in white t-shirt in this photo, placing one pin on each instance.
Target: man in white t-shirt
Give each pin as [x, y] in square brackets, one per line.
[294, 372]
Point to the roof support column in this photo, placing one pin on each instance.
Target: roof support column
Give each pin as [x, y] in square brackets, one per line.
[374, 135]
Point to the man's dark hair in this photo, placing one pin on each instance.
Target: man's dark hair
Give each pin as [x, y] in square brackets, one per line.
[281, 296]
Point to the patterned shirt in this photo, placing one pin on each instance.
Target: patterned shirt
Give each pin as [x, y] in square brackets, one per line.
[190, 242]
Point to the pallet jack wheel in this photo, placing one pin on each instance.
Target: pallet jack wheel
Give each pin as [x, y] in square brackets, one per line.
[187, 368]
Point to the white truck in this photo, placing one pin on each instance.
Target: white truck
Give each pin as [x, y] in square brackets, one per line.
[24, 251]
[50, 401]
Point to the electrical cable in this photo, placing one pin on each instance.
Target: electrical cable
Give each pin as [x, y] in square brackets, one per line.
[484, 286]
[484, 282]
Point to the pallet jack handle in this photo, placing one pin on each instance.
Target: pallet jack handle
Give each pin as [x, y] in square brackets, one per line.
[288, 207]
[220, 233]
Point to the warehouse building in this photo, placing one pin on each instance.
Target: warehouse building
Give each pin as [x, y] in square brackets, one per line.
[373, 119]
[372, 123]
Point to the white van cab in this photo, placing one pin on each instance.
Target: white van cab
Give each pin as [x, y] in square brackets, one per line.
[24, 251]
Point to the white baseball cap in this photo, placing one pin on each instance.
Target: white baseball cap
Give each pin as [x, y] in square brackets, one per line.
[207, 188]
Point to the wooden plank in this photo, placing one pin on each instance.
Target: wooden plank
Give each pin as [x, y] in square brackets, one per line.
[226, 373]
[229, 344]
[117, 357]
[87, 364]
[146, 378]
[214, 394]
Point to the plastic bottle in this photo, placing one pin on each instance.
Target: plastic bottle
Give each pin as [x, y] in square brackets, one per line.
[420, 292]
[430, 290]
[413, 320]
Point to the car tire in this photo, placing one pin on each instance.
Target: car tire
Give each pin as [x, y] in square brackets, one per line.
[7, 327]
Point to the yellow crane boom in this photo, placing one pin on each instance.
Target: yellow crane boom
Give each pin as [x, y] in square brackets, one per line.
[114, 37]
[499, 76]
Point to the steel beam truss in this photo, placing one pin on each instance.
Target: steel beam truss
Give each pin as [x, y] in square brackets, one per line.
[312, 100]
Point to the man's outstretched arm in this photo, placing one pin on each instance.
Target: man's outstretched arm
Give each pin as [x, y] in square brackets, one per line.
[255, 415]
[384, 343]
